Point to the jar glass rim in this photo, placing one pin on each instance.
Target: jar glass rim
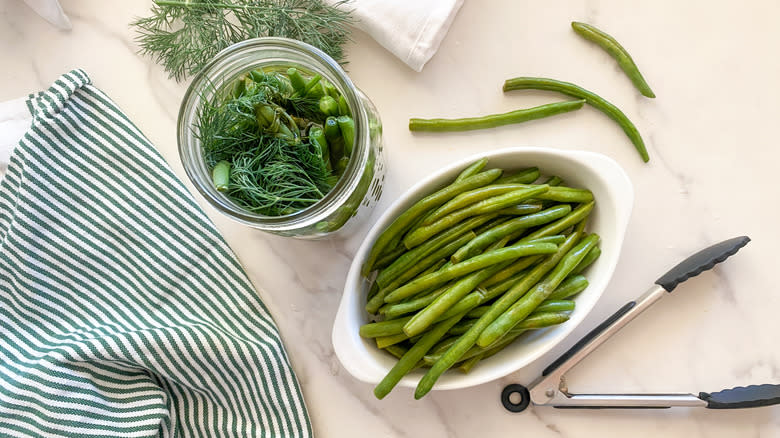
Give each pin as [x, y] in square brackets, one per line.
[237, 59]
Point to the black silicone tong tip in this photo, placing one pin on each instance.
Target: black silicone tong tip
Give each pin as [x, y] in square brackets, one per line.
[701, 261]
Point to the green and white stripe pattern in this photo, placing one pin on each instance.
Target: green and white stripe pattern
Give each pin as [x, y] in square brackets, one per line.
[122, 310]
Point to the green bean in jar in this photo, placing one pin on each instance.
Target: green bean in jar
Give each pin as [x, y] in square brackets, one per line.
[263, 138]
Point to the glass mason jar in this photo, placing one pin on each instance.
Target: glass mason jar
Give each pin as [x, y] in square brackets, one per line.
[358, 189]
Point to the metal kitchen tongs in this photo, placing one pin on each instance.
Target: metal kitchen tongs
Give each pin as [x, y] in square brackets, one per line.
[551, 390]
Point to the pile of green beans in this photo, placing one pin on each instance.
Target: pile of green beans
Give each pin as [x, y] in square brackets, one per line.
[468, 269]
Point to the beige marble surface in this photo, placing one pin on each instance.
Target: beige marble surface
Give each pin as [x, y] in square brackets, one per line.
[711, 134]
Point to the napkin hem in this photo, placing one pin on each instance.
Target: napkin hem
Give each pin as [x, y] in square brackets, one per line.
[419, 54]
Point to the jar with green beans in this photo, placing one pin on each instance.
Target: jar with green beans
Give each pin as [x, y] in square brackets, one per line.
[275, 135]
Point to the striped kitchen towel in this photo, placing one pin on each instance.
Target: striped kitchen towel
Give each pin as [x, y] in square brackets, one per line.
[122, 310]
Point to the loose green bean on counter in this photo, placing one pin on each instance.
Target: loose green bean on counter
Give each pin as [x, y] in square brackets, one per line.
[495, 120]
[594, 100]
[617, 51]
[465, 271]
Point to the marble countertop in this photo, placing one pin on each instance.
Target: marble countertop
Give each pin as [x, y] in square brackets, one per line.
[710, 133]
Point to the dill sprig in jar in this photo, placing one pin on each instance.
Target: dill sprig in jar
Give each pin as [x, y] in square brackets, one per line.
[274, 134]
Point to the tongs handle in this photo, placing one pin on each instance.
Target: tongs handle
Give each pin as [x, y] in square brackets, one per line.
[690, 267]
[752, 396]
[701, 261]
[549, 389]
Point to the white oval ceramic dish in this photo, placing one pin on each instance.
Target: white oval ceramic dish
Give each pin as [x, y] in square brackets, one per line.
[614, 200]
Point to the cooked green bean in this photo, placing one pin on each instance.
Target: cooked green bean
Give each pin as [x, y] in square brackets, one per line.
[386, 341]
[514, 237]
[372, 291]
[238, 88]
[331, 129]
[297, 81]
[466, 366]
[588, 260]
[396, 242]
[490, 224]
[473, 300]
[539, 320]
[397, 309]
[335, 142]
[341, 165]
[617, 51]
[553, 181]
[317, 137]
[409, 258]
[473, 264]
[573, 285]
[438, 264]
[330, 90]
[462, 326]
[383, 328]
[489, 205]
[423, 206]
[549, 305]
[480, 295]
[343, 107]
[473, 169]
[347, 128]
[575, 217]
[471, 197]
[525, 176]
[388, 258]
[510, 272]
[564, 194]
[467, 340]
[476, 245]
[569, 89]
[414, 355]
[556, 239]
[312, 87]
[426, 265]
[443, 345]
[495, 120]
[502, 243]
[473, 352]
[221, 175]
[477, 312]
[329, 106]
[531, 300]
[425, 317]
[396, 350]
[533, 322]
[432, 259]
[520, 209]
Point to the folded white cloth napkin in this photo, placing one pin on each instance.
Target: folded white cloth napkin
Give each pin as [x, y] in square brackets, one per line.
[51, 11]
[412, 30]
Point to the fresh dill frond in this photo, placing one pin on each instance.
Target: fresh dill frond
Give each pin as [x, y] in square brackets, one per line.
[184, 35]
[272, 171]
